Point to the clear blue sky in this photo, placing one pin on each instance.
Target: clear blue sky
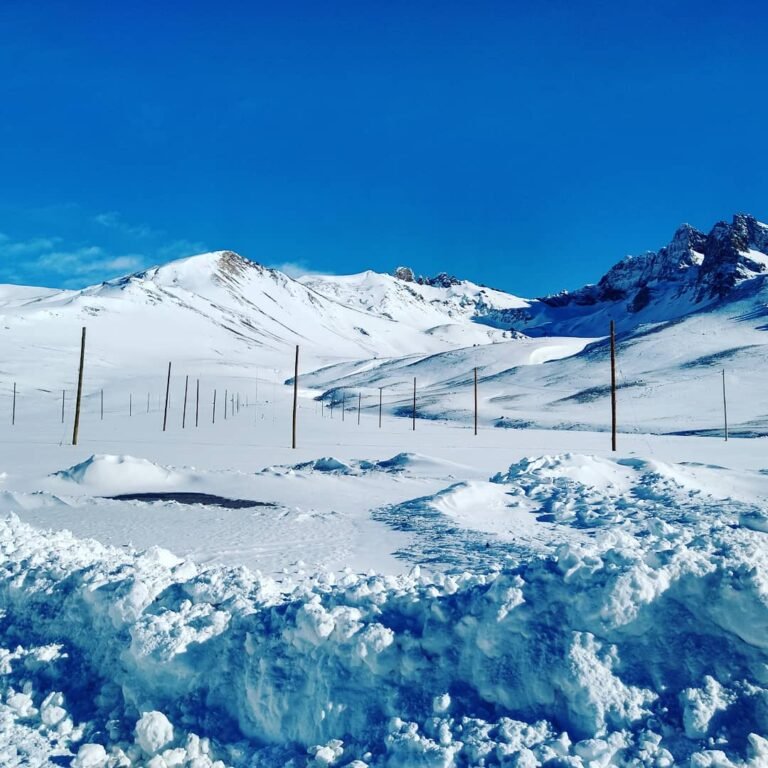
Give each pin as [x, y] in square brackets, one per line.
[527, 145]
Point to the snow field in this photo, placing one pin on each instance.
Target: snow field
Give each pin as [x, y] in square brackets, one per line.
[571, 654]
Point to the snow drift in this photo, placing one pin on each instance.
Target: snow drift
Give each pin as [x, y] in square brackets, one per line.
[648, 648]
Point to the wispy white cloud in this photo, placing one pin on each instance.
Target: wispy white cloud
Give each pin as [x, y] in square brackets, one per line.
[113, 220]
[40, 259]
[296, 269]
[101, 247]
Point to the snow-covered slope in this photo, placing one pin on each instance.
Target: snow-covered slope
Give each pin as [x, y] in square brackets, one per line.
[669, 376]
[442, 301]
[213, 310]
[705, 304]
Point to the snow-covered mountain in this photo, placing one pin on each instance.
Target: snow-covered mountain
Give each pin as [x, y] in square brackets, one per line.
[698, 301]
[217, 308]
[426, 303]
[685, 313]
[692, 273]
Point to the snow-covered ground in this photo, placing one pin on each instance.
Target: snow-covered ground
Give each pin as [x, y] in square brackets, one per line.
[560, 587]
[379, 596]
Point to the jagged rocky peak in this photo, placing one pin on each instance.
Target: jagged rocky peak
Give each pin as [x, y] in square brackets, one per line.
[733, 252]
[405, 274]
[441, 280]
[669, 264]
[707, 265]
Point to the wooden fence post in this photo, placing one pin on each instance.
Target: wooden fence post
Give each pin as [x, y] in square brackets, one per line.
[184, 414]
[167, 397]
[76, 430]
[295, 396]
[613, 386]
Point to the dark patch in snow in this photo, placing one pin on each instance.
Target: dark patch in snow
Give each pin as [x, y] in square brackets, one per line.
[206, 499]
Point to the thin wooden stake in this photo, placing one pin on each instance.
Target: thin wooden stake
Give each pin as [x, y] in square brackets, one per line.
[13, 412]
[79, 400]
[295, 396]
[102, 405]
[475, 400]
[226, 397]
[343, 403]
[214, 406]
[184, 414]
[63, 402]
[725, 409]
[613, 386]
[359, 403]
[167, 398]
[414, 403]
[380, 389]
[197, 405]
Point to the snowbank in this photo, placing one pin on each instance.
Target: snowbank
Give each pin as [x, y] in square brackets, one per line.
[108, 474]
[646, 649]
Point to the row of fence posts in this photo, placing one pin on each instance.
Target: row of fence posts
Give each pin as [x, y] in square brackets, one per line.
[235, 399]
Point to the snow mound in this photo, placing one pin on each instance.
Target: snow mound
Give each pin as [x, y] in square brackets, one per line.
[107, 474]
[590, 491]
[402, 463]
[620, 650]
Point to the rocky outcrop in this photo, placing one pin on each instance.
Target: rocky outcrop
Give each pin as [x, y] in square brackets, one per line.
[706, 266]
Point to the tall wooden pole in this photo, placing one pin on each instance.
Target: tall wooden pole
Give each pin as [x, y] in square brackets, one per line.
[186, 393]
[359, 404]
[295, 395]
[226, 397]
[725, 409]
[197, 405]
[79, 400]
[414, 403]
[63, 402]
[613, 386]
[343, 403]
[13, 412]
[102, 405]
[214, 407]
[167, 397]
[380, 389]
[475, 400]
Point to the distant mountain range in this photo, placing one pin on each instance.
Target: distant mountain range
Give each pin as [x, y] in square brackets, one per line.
[695, 303]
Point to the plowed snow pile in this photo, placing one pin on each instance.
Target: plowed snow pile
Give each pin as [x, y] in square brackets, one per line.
[643, 641]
